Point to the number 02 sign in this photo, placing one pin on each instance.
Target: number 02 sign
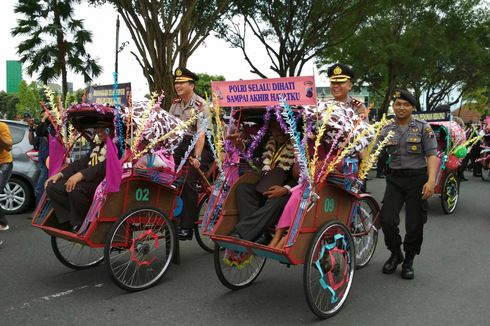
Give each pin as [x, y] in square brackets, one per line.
[142, 194]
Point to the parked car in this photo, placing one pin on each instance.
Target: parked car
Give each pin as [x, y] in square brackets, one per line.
[18, 194]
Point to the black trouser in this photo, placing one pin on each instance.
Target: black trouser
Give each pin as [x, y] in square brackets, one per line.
[190, 190]
[257, 212]
[71, 206]
[404, 187]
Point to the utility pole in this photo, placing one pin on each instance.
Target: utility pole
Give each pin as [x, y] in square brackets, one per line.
[117, 48]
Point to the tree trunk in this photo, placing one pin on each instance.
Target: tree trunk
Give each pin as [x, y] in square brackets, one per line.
[389, 91]
[60, 41]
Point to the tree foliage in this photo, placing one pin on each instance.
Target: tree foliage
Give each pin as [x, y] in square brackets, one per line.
[203, 85]
[167, 32]
[292, 32]
[55, 41]
[29, 98]
[439, 49]
[8, 101]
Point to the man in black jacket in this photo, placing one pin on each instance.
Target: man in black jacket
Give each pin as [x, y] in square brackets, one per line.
[72, 189]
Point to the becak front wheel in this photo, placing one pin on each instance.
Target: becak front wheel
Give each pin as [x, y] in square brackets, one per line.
[139, 248]
[329, 269]
[450, 193]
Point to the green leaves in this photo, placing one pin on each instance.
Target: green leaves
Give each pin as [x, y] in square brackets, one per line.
[54, 40]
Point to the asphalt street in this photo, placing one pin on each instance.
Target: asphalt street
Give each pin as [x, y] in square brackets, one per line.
[451, 285]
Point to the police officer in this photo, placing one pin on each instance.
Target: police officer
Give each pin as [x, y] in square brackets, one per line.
[341, 76]
[184, 105]
[410, 180]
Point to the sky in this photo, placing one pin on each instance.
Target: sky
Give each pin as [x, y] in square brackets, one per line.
[214, 57]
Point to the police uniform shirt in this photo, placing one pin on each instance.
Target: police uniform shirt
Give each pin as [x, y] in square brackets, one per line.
[358, 107]
[409, 146]
[184, 111]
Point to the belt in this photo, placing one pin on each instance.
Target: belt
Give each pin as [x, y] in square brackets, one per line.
[408, 172]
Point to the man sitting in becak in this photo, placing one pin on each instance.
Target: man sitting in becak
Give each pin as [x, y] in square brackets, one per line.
[261, 204]
[72, 189]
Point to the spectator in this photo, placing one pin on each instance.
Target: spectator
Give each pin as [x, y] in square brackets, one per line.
[38, 137]
[5, 166]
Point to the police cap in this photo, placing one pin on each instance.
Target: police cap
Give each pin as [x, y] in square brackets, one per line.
[403, 94]
[340, 73]
[183, 75]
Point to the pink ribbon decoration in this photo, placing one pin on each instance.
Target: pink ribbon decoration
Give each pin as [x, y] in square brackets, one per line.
[113, 167]
[56, 155]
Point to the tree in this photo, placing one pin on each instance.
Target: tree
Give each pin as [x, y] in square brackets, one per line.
[166, 33]
[7, 104]
[439, 55]
[55, 41]
[203, 85]
[29, 98]
[74, 98]
[292, 32]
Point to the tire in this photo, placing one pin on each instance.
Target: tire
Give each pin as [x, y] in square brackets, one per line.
[204, 241]
[237, 270]
[16, 197]
[329, 269]
[485, 174]
[450, 193]
[75, 255]
[140, 248]
[362, 224]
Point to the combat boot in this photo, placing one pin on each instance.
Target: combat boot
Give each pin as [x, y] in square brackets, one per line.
[395, 259]
[407, 268]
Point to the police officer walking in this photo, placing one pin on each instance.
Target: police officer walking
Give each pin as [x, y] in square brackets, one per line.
[410, 180]
[183, 106]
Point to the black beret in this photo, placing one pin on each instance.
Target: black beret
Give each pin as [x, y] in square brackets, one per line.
[183, 75]
[340, 73]
[405, 95]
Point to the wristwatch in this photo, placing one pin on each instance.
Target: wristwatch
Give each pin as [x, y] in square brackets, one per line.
[198, 158]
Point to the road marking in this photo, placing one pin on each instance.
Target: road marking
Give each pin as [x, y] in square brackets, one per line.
[50, 297]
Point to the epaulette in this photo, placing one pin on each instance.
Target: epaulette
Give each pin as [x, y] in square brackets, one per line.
[176, 100]
[198, 103]
[356, 102]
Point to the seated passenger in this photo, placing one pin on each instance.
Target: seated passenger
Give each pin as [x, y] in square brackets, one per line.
[72, 189]
[261, 204]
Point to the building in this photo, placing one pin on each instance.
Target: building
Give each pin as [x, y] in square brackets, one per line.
[14, 75]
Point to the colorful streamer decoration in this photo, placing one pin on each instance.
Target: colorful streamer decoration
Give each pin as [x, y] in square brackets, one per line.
[372, 158]
[300, 152]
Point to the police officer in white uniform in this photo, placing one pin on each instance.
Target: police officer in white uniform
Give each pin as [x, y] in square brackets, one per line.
[410, 180]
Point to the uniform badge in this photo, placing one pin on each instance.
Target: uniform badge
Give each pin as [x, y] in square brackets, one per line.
[414, 148]
[337, 70]
[178, 72]
[397, 94]
[356, 102]
[177, 100]
[429, 130]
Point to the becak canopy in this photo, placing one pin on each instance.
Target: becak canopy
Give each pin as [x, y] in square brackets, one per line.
[155, 123]
[342, 124]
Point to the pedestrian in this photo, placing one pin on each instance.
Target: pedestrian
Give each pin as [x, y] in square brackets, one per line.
[410, 180]
[5, 166]
[183, 106]
[38, 137]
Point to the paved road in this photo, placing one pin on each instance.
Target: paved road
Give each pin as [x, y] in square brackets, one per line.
[451, 285]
